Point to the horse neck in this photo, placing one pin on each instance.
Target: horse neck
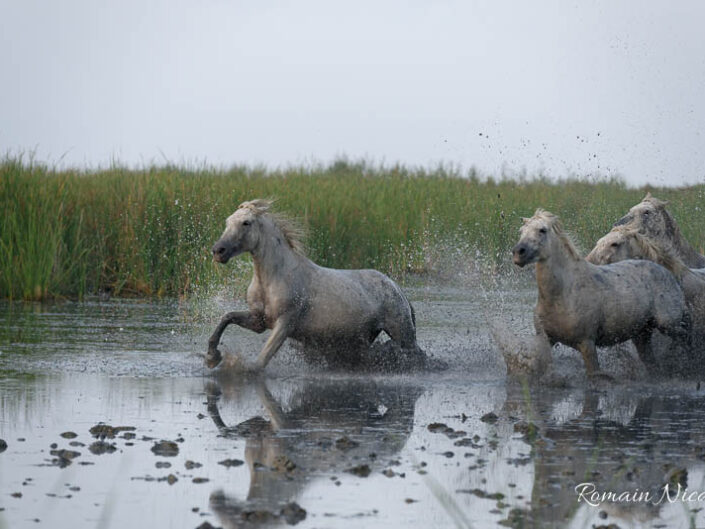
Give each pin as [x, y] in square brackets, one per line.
[273, 256]
[683, 248]
[685, 251]
[554, 274]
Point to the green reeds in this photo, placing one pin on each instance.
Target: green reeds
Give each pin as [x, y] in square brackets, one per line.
[148, 231]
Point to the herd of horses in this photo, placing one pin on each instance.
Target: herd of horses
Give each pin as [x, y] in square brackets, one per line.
[642, 282]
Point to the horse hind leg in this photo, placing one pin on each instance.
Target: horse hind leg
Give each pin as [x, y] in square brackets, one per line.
[588, 350]
[680, 329]
[644, 349]
[400, 327]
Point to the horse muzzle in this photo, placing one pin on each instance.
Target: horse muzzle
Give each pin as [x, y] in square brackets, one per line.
[624, 220]
[222, 253]
[522, 255]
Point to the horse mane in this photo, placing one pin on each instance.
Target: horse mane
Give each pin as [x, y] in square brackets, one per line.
[294, 233]
[557, 227]
[655, 251]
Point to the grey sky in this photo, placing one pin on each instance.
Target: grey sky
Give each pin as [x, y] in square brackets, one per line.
[563, 87]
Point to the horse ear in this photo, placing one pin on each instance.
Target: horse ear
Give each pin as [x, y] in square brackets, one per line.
[648, 196]
[525, 220]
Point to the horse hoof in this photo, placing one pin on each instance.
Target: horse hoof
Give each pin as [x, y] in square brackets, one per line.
[213, 358]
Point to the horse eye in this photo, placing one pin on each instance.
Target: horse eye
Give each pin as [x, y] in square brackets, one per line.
[542, 230]
[246, 223]
[615, 245]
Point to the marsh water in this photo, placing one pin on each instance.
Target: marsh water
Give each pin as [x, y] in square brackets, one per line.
[88, 392]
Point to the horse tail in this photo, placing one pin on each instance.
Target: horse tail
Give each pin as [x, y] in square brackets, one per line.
[411, 307]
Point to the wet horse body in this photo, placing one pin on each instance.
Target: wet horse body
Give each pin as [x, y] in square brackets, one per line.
[334, 314]
[628, 243]
[584, 306]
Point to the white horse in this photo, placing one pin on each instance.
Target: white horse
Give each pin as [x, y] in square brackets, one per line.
[583, 305]
[628, 243]
[335, 314]
[625, 242]
[651, 218]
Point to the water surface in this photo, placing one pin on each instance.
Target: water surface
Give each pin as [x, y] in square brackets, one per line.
[347, 450]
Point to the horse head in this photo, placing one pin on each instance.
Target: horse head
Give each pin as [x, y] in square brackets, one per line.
[254, 223]
[242, 231]
[617, 245]
[648, 216]
[537, 238]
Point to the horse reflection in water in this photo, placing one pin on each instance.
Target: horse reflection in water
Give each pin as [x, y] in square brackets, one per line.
[631, 443]
[332, 426]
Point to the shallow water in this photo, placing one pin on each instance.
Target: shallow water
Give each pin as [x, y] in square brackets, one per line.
[309, 436]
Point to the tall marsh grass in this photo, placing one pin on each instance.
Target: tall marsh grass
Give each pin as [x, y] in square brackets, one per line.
[148, 232]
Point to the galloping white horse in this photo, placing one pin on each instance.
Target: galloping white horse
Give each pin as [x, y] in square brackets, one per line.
[583, 305]
[334, 314]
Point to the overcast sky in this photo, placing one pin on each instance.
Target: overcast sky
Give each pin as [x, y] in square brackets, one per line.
[584, 88]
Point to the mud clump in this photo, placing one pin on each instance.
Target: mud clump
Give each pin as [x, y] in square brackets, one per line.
[105, 431]
[450, 433]
[345, 444]
[360, 470]
[439, 427]
[64, 457]
[489, 418]
[467, 441]
[283, 464]
[192, 464]
[253, 427]
[165, 449]
[206, 525]
[528, 429]
[3, 446]
[227, 463]
[69, 435]
[101, 447]
[497, 496]
[516, 518]
[677, 476]
[293, 513]
[242, 516]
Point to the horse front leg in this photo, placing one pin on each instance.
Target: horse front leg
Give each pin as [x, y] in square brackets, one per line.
[274, 409]
[279, 333]
[589, 351]
[642, 342]
[244, 318]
